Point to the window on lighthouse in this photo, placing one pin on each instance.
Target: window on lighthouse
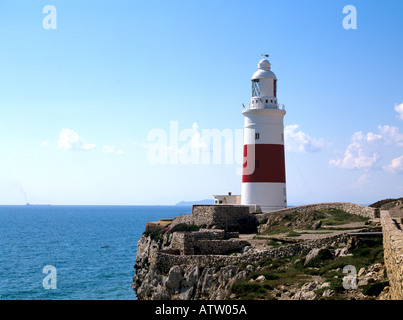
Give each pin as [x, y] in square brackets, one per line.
[255, 88]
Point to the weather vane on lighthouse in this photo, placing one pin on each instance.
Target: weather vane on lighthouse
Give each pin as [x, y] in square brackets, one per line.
[265, 55]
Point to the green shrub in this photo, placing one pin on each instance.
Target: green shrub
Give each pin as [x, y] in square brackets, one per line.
[185, 227]
[154, 234]
[242, 288]
[267, 286]
[274, 244]
[374, 289]
[336, 284]
[270, 276]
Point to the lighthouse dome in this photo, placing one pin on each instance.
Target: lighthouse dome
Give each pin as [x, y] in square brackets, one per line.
[264, 71]
[264, 64]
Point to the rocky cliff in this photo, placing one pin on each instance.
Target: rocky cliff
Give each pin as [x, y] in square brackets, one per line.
[192, 258]
[155, 279]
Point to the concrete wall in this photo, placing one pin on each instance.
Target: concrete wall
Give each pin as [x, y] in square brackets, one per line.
[393, 254]
[351, 208]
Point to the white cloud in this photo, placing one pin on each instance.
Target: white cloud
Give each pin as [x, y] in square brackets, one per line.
[395, 166]
[399, 110]
[299, 141]
[113, 149]
[70, 140]
[196, 141]
[360, 153]
[391, 135]
[363, 152]
[45, 144]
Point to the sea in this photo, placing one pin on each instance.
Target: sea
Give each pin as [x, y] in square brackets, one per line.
[50, 252]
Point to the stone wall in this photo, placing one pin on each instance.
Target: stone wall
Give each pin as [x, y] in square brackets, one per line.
[393, 253]
[164, 262]
[348, 207]
[226, 217]
[204, 242]
[219, 246]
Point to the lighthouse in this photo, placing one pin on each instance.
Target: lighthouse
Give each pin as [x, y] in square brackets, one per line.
[263, 176]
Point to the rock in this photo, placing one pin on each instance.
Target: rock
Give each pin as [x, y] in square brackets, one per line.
[372, 274]
[250, 268]
[328, 293]
[312, 254]
[316, 225]
[306, 292]
[361, 272]
[385, 294]
[247, 249]
[174, 277]
[260, 278]
[342, 252]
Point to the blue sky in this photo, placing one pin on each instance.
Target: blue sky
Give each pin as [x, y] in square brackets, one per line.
[79, 103]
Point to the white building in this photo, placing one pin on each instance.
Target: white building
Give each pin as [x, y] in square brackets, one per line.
[227, 199]
[263, 178]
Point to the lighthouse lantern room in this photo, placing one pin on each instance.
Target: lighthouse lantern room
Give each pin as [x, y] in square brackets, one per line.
[263, 177]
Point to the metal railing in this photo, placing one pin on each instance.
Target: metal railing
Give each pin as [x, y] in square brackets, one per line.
[266, 106]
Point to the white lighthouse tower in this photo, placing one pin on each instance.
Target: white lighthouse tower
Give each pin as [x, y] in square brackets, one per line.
[263, 177]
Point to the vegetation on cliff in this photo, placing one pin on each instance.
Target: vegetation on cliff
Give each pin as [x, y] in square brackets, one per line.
[322, 275]
[328, 219]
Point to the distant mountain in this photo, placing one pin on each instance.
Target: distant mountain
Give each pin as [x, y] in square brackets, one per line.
[190, 203]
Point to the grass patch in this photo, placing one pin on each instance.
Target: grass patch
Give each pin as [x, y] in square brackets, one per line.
[285, 224]
[248, 291]
[268, 276]
[277, 229]
[334, 216]
[275, 244]
[293, 234]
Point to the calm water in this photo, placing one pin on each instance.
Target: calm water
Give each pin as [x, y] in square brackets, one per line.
[70, 239]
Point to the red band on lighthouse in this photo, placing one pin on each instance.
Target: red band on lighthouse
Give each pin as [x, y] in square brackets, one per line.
[269, 163]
